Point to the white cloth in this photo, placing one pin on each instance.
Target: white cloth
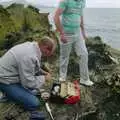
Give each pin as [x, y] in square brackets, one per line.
[74, 41]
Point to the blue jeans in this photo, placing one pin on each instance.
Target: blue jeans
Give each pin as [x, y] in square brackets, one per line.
[20, 95]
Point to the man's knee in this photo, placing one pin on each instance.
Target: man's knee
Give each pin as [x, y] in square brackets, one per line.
[84, 54]
[32, 104]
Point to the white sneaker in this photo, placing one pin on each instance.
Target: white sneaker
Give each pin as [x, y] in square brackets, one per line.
[86, 82]
[61, 80]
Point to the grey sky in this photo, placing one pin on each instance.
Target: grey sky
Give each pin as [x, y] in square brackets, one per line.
[90, 3]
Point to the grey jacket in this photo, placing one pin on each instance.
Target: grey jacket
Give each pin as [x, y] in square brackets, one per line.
[21, 64]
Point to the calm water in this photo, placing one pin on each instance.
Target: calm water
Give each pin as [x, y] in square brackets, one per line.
[104, 22]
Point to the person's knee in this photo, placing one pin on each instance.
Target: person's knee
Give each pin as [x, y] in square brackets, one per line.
[36, 103]
[84, 54]
[33, 104]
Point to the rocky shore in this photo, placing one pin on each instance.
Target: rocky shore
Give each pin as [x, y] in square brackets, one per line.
[99, 102]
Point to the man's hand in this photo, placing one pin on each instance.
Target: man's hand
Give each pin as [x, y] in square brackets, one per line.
[46, 67]
[47, 76]
[63, 38]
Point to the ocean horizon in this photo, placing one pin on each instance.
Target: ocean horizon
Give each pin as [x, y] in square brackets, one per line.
[103, 22]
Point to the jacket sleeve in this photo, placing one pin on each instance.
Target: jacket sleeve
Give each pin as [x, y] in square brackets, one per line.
[27, 73]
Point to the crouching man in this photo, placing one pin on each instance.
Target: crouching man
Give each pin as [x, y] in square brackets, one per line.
[20, 72]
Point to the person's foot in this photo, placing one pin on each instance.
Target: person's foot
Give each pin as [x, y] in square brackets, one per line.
[61, 79]
[36, 115]
[3, 97]
[86, 82]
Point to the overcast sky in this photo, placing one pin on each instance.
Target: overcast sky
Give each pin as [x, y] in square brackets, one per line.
[90, 3]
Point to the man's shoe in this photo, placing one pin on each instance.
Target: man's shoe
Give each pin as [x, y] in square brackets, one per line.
[3, 97]
[86, 82]
[36, 115]
[61, 79]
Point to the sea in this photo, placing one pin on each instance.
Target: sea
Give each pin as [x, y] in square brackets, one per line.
[103, 22]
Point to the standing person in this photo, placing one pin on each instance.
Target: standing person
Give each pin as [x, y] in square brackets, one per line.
[20, 72]
[69, 26]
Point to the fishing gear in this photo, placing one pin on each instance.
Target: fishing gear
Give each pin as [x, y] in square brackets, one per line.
[65, 92]
[49, 110]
